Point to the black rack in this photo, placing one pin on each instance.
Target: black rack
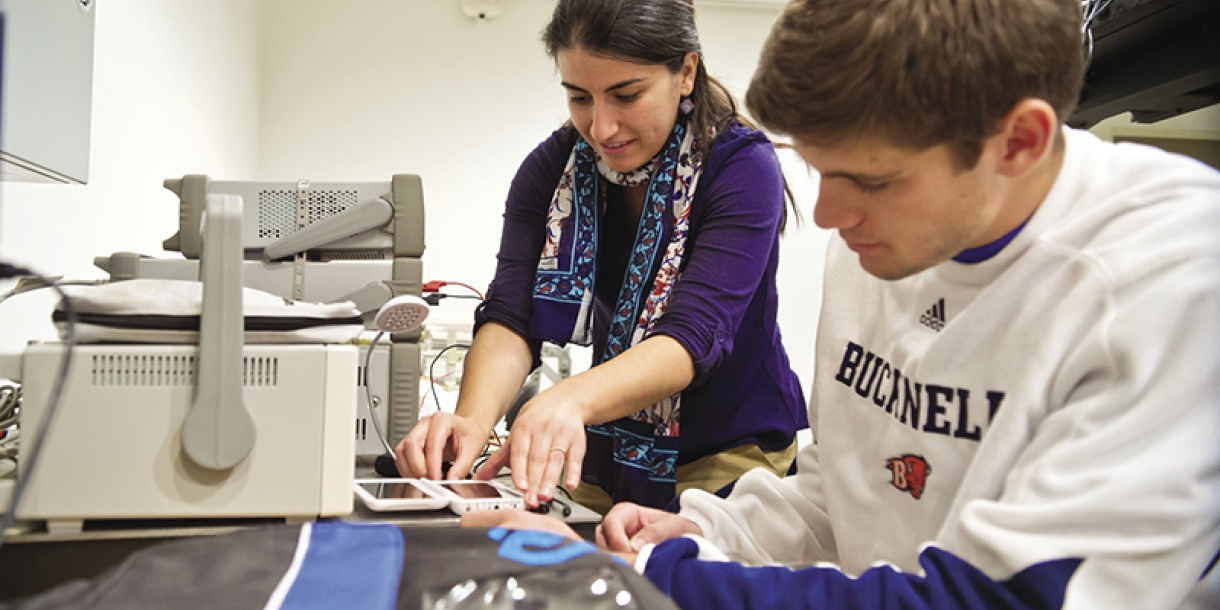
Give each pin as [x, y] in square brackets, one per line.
[1153, 58]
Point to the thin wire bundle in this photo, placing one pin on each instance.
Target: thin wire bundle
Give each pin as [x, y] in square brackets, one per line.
[33, 452]
[1091, 8]
[10, 406]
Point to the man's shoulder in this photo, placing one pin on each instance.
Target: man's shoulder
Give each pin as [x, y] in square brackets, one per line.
[1129, 163]
[1131, 193]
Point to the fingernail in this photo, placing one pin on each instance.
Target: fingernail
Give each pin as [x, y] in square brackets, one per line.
[637, 544]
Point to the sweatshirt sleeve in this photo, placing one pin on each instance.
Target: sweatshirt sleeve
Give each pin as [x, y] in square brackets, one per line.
[947, 583]
[767, 519]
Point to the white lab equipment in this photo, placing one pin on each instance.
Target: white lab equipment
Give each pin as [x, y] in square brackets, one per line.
[220, 429]
[321, 242]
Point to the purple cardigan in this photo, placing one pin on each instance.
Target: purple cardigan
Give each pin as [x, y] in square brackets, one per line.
[723, 307]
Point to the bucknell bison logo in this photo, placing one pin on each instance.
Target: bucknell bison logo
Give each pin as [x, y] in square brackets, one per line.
[910, 474]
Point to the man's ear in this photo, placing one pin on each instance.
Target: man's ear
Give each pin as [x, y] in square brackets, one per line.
[1027, 136]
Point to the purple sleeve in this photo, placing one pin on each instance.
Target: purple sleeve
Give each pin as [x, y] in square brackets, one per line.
[948, 583]
[739, 202]
[508, 299]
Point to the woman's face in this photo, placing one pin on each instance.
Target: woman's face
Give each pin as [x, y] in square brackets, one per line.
[624, 110]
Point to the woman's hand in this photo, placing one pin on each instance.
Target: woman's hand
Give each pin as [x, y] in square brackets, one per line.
[439, 438]
[518, 520]
[547, 436]
[628, 527]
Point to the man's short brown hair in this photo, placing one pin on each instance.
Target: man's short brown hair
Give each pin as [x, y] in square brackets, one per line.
[915, 73]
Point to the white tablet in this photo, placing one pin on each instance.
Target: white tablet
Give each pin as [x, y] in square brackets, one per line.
[467, 495]
[399, 494]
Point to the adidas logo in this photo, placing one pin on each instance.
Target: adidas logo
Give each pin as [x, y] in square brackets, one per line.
[934, 317]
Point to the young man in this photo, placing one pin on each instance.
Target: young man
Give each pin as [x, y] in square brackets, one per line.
[1016, 400]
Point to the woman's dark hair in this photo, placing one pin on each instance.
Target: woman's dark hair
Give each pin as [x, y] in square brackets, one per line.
[650, 32]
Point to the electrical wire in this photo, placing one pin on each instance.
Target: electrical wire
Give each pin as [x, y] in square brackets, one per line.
[428, 392]
[373, 401]
[434, 298]
[432, 377]
[495, 440]
[26, 285]
[470, 288]
[10, 406]
[436, 285]
[10, 412]
[1091, 8]
[44, 426]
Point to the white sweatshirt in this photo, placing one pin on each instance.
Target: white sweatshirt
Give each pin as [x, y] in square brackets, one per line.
[1039, 430]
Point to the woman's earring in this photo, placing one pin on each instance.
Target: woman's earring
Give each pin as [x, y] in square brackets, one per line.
[686, 106]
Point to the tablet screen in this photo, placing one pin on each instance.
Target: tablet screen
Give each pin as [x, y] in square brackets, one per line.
[476, 489]
[395, 491]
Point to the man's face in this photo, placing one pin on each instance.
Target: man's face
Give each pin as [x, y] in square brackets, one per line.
[901, 211]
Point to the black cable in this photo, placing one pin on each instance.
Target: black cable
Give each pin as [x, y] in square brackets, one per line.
[9, 271]
[432, 377]
[434, 298]
[482, 459]
[384, 464]
[567, 508]
[61, 380]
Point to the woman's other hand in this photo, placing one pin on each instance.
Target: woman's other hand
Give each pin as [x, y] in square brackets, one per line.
[439, 438]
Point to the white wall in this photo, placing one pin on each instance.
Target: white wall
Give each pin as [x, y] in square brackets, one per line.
[175, 92]
[364, 89]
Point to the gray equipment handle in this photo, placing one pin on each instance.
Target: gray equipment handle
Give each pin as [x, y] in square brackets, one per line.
[372, 214]
[218, 432]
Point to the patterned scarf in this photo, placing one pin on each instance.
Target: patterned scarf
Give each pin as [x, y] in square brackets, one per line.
[563, 287]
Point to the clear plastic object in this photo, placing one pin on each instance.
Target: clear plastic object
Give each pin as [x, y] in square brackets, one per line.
[586, 588]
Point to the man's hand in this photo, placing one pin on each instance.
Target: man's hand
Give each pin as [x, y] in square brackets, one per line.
[628, 527]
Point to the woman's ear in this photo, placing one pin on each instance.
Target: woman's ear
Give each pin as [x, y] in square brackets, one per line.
[690, 67]
[1027, 135]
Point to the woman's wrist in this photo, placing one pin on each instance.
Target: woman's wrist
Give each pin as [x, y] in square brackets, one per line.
[575, 392]
[485, 422]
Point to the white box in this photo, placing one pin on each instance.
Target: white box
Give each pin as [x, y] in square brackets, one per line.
[113, 450]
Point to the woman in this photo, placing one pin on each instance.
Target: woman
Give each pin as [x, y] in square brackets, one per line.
[647, 227]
